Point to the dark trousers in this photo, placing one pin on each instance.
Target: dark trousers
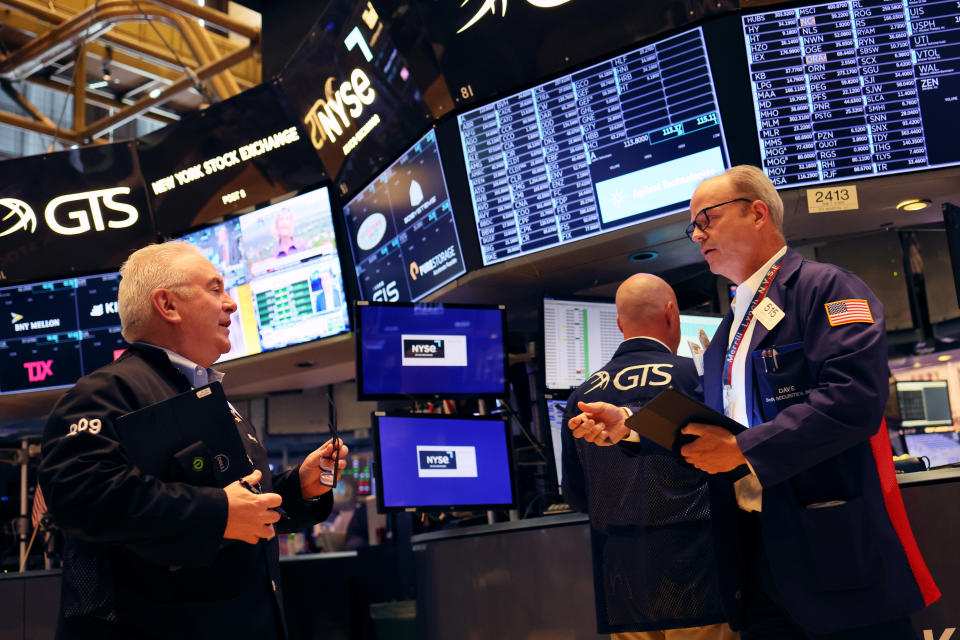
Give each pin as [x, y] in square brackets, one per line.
[764, 618]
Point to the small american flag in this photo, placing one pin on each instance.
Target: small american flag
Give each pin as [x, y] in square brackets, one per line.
[847, 311]
[39, 508]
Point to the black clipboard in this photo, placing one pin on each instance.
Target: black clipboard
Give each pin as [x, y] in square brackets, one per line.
[661, 419]
[191, 437]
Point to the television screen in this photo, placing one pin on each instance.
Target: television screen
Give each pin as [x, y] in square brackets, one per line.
[845, 91]
[581, 336]
[402, 233]
[923, 404]
[280, 265]
[621, 141]
[58, 331]
[409, 350]
[940, 449]
[427, 462]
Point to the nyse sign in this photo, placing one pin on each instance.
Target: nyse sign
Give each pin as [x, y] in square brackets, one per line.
[72, 214]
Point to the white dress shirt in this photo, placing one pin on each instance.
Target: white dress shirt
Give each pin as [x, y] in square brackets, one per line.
[735, 405]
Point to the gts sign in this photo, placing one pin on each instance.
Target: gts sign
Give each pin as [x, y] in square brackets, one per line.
[73, 214]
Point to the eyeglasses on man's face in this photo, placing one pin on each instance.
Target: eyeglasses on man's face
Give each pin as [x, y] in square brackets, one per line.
[702, 219]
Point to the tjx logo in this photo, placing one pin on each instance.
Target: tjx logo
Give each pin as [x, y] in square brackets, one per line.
[77, 220]
[39, 370]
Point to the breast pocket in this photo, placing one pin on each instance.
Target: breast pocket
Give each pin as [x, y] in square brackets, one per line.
[782, 376]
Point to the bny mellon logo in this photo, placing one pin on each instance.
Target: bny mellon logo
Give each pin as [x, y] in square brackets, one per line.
[15, 317]
[20, 211]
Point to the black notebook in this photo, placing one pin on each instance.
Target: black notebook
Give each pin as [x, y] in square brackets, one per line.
[661, 419]
[191, 437]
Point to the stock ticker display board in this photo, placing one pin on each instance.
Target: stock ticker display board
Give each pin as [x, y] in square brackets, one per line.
[621, 141]
[402, 232]
[54, 332]
[855, 89]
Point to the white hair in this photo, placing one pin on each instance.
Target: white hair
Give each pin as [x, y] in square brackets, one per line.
[750, 182]
[156, 266]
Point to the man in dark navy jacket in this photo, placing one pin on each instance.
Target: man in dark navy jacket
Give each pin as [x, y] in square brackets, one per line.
[653, 557]
[801, 360]
[148, 557]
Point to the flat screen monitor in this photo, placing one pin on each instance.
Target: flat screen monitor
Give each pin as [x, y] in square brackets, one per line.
[56, 331]
[410, 350]
[844, 91]
[941, 449]
[430, 462]
[615, 143]
[280, 265]
[581, 336]
[924, 404]
[403, 237]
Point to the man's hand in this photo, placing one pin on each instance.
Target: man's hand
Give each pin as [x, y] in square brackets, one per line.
[600, 423]
[310, 470]
[249, 515]
[715, 450]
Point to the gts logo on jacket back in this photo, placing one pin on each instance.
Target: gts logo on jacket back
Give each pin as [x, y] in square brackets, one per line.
[639, 375]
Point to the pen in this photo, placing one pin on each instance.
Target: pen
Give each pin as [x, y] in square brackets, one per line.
[249, 487]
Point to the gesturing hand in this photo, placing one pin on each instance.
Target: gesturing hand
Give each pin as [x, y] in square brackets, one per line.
[600, 423]
[249, 514]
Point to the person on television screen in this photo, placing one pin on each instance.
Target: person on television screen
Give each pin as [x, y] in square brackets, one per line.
[801, 360]
[148, 558]
[653, 561]
[283, 230]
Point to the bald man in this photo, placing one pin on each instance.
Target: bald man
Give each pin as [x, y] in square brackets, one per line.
[653, 563]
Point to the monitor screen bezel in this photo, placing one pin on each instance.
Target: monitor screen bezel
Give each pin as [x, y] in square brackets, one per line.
[922, 428]
[363, 395]
[378, 467]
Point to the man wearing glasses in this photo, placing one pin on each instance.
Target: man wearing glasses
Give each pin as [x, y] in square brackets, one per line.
[801, 360]
[146, 558]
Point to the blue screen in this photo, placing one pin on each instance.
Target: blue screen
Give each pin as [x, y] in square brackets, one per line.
[443, 462]
[430, 349]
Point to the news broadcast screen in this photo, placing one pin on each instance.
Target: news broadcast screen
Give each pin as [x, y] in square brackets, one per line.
[621, 141]
[56, 331]
[280, 265]
[435, 462]
[403, 236]
[409, 350]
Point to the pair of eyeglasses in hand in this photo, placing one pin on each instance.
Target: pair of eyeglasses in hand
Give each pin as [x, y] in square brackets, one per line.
[330, 466]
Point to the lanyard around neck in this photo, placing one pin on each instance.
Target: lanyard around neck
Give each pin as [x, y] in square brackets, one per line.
[742, 330]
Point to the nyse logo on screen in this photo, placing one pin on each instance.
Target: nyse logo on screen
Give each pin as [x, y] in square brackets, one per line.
[72, 214]
[441, 461]
[423, 348]
[438, 459]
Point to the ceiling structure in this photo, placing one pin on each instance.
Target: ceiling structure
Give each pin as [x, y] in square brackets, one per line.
[121, 60]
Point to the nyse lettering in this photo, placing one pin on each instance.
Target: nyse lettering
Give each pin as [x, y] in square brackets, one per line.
[331, 115]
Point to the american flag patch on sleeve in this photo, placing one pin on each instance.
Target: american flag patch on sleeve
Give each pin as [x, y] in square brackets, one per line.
[847, 311]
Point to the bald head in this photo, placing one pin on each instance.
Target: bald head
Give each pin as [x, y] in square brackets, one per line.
[647, 306]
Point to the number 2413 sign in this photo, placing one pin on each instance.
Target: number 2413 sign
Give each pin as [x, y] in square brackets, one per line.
[824, 199]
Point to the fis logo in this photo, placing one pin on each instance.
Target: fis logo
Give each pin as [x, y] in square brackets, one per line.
[439, 461]
[39, 370]
[423, 348]
[91, 214]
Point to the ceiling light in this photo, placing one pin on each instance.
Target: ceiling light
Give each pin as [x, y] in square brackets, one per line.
[914, 204]
[943, 358]
[643, 256]
[155, 93]
[98, 85]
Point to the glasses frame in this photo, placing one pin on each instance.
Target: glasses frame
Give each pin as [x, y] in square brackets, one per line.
[329, 477]
[703, 212]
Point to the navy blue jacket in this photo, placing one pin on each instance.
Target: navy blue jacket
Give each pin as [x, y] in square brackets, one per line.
[814, 405]
[145, 557]
[653, 559]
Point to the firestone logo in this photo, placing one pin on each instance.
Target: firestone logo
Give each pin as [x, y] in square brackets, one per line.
[39, 370]
[78, 218]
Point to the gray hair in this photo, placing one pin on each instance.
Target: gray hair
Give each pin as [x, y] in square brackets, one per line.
[751, 182]
[156, 266]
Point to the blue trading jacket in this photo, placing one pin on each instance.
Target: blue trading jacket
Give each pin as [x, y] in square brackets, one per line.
[653, 560]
